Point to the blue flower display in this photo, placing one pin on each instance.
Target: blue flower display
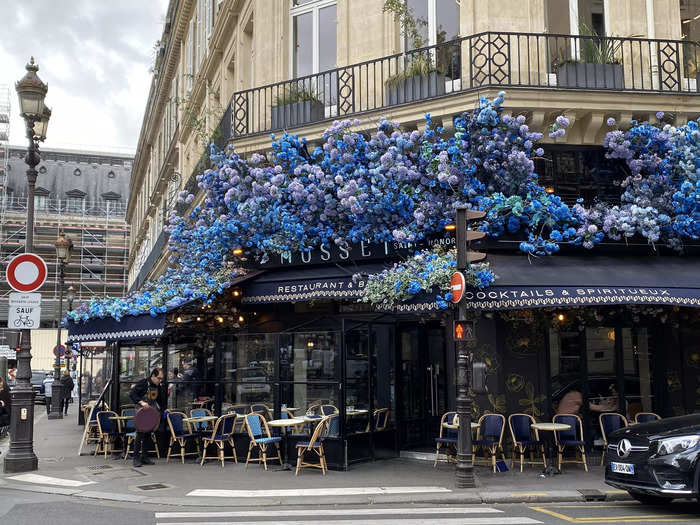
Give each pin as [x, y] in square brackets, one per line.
[402, 186]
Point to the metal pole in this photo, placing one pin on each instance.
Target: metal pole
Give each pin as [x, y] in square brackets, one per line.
[20, 457]
[464, 471]
[57, 387]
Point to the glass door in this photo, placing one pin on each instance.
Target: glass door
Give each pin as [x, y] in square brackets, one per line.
[422, 384]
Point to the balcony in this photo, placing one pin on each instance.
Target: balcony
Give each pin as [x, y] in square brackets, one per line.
[455, 73]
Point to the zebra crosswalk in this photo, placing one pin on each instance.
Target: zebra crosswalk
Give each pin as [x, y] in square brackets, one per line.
[407, 515]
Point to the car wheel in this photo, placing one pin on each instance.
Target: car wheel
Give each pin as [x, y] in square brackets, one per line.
[648, 499]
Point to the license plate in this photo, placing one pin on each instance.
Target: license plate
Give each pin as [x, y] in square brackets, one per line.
[622, 468]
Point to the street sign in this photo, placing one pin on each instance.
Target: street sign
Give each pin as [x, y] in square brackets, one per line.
[457, 286]
[463, 331]
[26, 272]
[6, 352]
[24, 310]
[59, 349]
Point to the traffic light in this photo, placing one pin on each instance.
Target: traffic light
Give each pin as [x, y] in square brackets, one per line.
[463, 331]
[465, 236]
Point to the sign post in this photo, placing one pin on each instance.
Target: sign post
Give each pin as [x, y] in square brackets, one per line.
[24, 310]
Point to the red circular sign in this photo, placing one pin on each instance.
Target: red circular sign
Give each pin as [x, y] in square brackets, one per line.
[61, 350]
[457, 286]
[26, 272]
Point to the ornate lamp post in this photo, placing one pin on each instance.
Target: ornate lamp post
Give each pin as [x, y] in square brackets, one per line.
[20, 457]
[64, 247]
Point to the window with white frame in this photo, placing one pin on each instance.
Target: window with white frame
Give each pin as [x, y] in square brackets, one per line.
[314, 42]
[437, 21]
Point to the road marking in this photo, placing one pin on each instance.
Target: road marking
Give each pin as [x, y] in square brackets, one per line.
[330, 512]
[342, 491]
[487, 520]
[46, 480]
[642, 518]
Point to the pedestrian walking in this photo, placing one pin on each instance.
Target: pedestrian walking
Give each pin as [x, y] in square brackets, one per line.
[48, 390]
[68, 385]
[149, 394]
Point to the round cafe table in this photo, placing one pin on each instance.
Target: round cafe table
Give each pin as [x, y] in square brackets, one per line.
[550, 469]
[284, 424]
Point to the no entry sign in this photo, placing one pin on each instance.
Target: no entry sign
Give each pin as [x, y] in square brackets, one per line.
[26, 272]
[457, 286]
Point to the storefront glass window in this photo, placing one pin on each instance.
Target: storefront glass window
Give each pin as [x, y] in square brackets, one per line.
[136, 362]
[638, 382]
[357, 381]
[309, 356]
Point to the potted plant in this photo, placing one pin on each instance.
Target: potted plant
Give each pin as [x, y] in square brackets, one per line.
[690, 78]
[420, 77]
[296, 105]
[600, 66]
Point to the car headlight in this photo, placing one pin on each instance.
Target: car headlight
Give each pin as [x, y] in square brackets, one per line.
[676, 444]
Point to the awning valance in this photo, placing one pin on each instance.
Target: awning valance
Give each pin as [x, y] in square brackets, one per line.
[589, 280]
[305, 284]
[109, 329]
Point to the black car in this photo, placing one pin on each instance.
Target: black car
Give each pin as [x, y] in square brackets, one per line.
[658, 461]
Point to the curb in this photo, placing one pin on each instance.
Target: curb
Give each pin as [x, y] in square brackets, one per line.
[471, 497]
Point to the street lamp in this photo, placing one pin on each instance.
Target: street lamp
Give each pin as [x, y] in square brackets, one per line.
[64, 248]
[21, 457]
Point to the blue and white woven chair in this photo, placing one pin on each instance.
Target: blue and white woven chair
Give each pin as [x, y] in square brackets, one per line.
[489, 436]
[108, 432]
[609, 423]
[572, 438]
[260, 437]
[180, 435]
[223, 433]
[314, 445]
[447, 436]
[525, 438]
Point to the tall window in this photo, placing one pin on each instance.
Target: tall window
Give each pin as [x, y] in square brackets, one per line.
[40, 202]
[437, 20]
[75, 204]
[314, 36]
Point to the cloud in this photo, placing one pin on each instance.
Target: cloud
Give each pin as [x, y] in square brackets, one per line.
[95, 56]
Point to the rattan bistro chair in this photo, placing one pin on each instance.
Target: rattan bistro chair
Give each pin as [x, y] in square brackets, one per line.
[489, 436]
[609, 422]
[522, 434]
[255, 423]
[447, 436]
[223, 433]
[570, 438]
[179, 436]
[108, 432]
[314, 445]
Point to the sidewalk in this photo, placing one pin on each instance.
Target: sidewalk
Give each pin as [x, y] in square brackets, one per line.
[61, 471]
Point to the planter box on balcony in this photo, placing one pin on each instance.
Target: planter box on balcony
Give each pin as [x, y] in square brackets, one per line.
[292, 115]
[591, 76]
[415, 88]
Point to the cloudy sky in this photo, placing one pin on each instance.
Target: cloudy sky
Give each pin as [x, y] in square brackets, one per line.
[95, 56]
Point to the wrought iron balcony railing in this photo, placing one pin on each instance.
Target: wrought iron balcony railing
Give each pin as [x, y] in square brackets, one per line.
[491, 59]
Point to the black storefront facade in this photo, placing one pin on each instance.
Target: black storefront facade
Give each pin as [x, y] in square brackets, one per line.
[294, 336]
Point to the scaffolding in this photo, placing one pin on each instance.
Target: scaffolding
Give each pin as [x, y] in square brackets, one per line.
[100, 237]
[5, 109]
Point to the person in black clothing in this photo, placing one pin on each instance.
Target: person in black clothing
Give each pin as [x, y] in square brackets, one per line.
[5, 402]
[68, 384]
[139, 394]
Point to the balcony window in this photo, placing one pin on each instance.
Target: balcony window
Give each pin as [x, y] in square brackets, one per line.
[314, 36]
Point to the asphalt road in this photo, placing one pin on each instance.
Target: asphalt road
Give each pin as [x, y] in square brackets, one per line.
[25, 508]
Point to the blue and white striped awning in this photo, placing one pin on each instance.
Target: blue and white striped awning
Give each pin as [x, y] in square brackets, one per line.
[109, 329]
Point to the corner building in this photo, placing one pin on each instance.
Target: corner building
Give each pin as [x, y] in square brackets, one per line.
[619, 323]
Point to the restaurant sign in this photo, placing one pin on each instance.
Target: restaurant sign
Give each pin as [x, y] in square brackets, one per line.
[362, 251]
[511, 297]
[305, 290]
